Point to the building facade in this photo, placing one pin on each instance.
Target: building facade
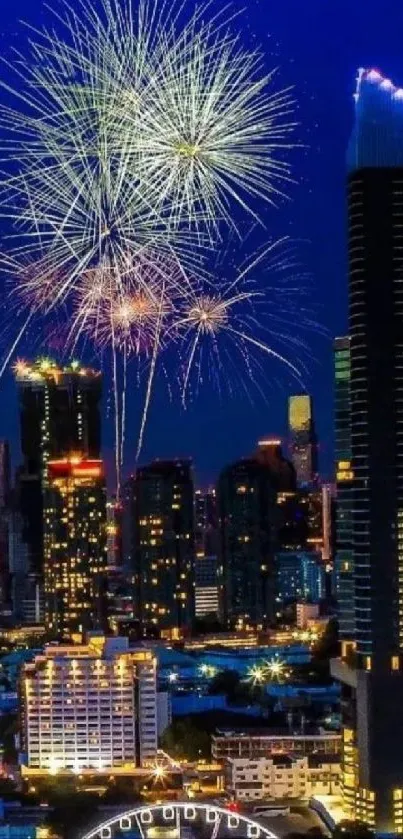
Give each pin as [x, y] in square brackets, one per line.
[89, 708]
[164, 547]
[206, 522]
[59, 415]
[75, 556]
[207, 586]
[283, 776]
[300, 576]
[343, 569]
[372, 669]
[247, 514]
[256, 744]
[303, 441]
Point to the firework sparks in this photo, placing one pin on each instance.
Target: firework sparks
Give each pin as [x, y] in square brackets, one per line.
[133, 137]
[236, 326]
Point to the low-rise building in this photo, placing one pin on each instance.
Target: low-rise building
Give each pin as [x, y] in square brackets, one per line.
[252, 744]
[89, 708]
[283, 776]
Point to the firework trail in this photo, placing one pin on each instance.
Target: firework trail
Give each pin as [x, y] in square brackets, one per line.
[131, 138]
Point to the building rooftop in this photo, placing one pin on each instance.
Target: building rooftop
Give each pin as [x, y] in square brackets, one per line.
[47, 369]
[376, 137]
[309, 731]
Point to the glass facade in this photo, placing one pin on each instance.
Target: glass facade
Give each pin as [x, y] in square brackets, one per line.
[248, 517]
[344, 568]
[164, 546]
[303, 438]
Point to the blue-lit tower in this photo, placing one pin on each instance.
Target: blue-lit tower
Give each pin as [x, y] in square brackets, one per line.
[371, 669]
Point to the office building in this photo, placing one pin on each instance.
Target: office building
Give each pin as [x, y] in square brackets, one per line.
[300, 576]
[247, 514]
[328, 524]
[344, 570]
[60, 411]
[88, 709]
[5, 499]
[59, 414]
[303, 441]
[207, 586]
[114, 526]
[75, 561]
[270, 454]
[206, 522]
[372, 674]
[164, 547]
[282, 776]
[254, 744]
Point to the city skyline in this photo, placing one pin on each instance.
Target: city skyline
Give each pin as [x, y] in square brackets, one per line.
[201, 570]
[315, 214]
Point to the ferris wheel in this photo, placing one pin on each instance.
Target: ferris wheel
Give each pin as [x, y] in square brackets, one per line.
[179, 820]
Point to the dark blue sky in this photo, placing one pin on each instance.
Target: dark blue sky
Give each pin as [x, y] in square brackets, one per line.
[318, 45]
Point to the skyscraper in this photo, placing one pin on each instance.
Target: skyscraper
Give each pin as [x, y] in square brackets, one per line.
[164, 546]
[303, 441]
[60, 412]
[5, 500]
[206, 523]
[344, 571]
[247, 513]
[373, 687]
[60, 415]
[75, 557]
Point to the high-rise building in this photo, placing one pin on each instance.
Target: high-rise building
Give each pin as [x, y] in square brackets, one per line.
[206, 522]
[344, 570]
[114, 519]
[88, 709]
[164, 546]
[75, 561]
[300, 576]
[373, 674]
[269, 453]
[207, 586]
[247, 513]
[5, 499]
[60, 414]
[303, 440]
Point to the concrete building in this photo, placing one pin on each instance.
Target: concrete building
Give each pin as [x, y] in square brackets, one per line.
[283, 776]
[254, 744]
[89, 708]
[306, 613]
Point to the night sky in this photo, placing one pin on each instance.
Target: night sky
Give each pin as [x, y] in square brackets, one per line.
[318, 45]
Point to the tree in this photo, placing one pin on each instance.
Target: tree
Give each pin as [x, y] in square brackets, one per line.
[183, 739]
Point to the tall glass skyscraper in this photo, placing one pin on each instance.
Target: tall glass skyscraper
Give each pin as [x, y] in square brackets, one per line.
[59, 416]
[343, 567]
[304, 444]
[246, 494]
[163, 508]
[372, 670]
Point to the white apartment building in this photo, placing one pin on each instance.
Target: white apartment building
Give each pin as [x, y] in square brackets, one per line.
[89, 707]
[283, 776]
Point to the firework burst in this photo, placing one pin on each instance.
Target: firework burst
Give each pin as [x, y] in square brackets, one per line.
[132, 139]
[236, 324]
